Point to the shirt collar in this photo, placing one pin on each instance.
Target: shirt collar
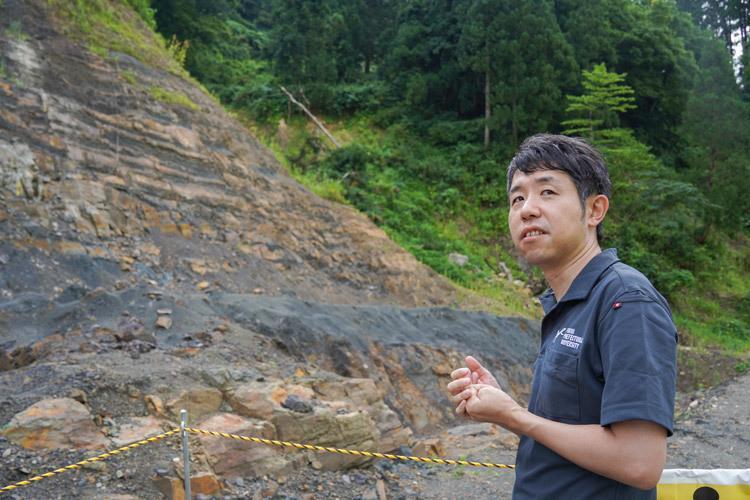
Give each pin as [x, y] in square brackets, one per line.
[584, 282]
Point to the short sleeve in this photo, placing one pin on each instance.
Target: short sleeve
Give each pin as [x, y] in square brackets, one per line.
[638, 345]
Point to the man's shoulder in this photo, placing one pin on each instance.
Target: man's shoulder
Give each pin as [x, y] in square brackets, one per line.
[622, 281]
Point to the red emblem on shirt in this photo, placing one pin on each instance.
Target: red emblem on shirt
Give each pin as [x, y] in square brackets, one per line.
[617, 305]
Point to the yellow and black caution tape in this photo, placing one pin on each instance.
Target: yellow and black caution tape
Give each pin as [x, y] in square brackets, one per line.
[98, 458]
[271, 442]
[370, 454]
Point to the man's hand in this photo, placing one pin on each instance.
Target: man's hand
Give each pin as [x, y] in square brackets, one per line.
[490, 404]
[463, 378]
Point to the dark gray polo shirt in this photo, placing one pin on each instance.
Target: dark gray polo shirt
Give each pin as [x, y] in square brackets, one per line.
[608, 354]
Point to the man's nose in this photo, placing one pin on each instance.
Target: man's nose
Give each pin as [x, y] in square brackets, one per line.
[530, 208]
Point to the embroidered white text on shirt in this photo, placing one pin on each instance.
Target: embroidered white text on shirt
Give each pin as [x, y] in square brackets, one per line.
[569, 338]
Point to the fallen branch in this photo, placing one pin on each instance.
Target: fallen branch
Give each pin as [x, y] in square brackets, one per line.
[312, 117]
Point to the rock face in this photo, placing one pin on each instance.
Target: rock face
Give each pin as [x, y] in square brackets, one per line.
[104, 184]
[53, 424]
[404, 356]
[155, 256]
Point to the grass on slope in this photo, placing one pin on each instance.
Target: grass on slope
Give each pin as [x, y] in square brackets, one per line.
[113, 25]
[370, 177]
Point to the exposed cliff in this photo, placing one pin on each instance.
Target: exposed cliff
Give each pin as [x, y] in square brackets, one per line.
[155, 256]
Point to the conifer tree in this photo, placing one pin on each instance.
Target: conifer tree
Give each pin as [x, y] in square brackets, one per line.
[518, 48]
[605, 95]
[716, 126]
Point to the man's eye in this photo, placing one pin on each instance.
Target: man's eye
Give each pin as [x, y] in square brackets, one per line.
[547, 192]
[516, 199]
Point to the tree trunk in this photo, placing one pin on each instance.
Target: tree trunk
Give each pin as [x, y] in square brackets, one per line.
[514, 122]
[712, 166]
[487, 110]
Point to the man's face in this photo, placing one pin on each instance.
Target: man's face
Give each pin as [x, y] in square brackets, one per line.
[546, 219]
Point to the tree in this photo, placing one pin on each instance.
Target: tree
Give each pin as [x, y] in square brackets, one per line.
[593, 28]
[660, 69]
[526, 63]
[604, 97]
[422, 62]
[367, 21]
[716, 127]
[479, 40]
[300, 44]
[656, 219]
[724, 17]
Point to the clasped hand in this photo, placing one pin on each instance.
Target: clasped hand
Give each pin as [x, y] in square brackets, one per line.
[477, 395]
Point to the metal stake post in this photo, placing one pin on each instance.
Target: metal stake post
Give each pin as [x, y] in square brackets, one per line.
[185, 453]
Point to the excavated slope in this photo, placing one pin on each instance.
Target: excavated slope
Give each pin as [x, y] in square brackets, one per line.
[155, 256]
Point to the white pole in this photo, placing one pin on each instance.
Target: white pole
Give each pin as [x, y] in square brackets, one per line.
[185, 453]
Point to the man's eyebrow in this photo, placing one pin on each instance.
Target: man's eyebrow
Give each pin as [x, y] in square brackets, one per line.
[545, 179]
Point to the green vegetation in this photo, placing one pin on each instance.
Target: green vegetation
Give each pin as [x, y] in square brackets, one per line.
[129, 76]
[15, 31]
[605, 96]
[431, 97]
[172, 97]
[3, 71]
[116, 25]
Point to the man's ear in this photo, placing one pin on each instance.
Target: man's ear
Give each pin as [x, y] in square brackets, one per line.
[596, 208]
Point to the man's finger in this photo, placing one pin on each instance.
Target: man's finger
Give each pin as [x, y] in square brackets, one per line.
[474, 365]
[461, 408]
[458, 385]
[459, 373]
[461, 396]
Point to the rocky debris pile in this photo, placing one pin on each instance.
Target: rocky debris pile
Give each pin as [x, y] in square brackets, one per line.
[278, 368]
[408, 353]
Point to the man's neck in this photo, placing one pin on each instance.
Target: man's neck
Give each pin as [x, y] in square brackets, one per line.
[561, 277]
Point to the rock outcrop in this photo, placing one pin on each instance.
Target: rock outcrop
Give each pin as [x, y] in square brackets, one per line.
[154, 257]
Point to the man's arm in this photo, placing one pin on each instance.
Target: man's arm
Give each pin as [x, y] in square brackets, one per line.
[631, 452]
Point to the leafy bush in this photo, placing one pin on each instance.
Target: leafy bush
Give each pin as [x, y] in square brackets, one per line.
[655, 219]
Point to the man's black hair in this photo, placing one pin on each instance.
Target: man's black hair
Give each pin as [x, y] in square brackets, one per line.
[571, 155]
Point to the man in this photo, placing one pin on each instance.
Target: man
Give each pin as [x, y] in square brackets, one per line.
[602, 397]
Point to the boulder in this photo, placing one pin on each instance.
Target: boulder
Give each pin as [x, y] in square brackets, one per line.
[430, 447]
[59, 423]
[235, 458]
[260, 399]
[171, 488]
[459, 259]
[154, 404]
[204, 483]
[361, 391]
[138, 428]
[198, 401]
[393, 434]
[323, 427]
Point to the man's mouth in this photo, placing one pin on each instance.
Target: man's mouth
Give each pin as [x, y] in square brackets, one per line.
[532, 233]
